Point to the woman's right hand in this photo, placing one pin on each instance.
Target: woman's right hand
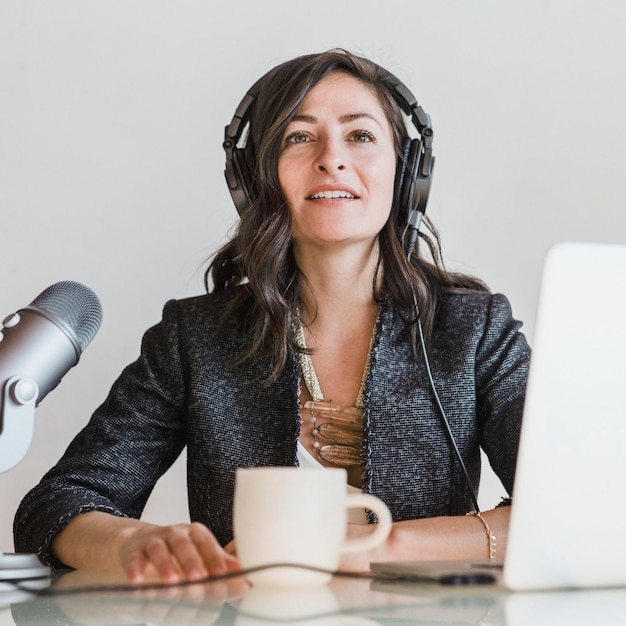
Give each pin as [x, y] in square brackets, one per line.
[174, 553]
[104, 542]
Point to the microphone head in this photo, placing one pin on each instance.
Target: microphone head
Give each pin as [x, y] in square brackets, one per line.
[75, 307]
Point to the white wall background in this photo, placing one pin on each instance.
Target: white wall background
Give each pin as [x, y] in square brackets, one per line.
[111, 166]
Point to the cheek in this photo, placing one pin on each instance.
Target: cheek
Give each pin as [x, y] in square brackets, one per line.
[284, 173]
[285, 177]
[380, 168]
[384, 178]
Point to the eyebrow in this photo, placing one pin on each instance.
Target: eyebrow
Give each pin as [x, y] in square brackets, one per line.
[344, 119]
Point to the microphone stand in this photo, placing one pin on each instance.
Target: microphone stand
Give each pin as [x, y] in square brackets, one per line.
[17, 416]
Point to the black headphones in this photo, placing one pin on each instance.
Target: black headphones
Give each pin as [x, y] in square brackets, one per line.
[413, 173]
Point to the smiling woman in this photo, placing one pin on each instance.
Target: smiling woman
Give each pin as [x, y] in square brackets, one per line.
[307, 350]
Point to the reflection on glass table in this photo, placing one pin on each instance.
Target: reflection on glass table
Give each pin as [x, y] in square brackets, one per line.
[96, 599]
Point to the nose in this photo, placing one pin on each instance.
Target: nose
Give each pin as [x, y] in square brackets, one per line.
[331, 156]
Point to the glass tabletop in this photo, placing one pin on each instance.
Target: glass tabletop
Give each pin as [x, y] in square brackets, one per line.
[96, 599]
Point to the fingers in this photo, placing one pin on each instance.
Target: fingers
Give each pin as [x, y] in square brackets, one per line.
[136, 565]
[161, 550]
[214, 558]
[174, 553]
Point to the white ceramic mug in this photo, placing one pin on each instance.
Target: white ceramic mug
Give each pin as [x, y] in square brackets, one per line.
[299, 516]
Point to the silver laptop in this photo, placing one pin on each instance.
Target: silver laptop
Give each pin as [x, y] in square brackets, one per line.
[568, 520]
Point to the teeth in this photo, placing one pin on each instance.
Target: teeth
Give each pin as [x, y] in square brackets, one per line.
[332, 194]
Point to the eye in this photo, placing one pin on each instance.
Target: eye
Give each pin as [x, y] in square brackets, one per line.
[296, 137]
[363, 136]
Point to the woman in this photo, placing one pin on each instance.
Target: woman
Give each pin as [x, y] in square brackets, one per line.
[306, 351]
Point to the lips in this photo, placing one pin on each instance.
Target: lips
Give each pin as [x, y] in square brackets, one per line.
[331, 194]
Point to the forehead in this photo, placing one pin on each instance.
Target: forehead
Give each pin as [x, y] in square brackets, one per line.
[341, 94]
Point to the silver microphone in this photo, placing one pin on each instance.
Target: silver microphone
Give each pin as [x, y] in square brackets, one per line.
[39, 344]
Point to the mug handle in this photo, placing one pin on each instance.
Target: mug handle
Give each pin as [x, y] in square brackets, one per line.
[381, 530]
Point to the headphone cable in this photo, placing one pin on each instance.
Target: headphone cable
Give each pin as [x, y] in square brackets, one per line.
[413, 225]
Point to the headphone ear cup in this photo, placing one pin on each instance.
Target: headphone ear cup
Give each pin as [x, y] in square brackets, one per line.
[242, 194]
[407, 173]
[240, 153]
[236, 186]
[399, 180]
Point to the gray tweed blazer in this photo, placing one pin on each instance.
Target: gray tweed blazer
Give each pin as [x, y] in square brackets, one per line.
[185, 390]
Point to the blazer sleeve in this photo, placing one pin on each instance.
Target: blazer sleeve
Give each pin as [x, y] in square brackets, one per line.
[113, 464]
[502, 363]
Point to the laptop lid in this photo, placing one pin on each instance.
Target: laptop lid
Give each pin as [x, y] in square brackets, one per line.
[569, 510]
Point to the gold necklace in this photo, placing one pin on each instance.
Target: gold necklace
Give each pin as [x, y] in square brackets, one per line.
[343, 429]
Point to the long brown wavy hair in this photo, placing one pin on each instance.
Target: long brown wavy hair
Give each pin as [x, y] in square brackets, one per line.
[259, 257]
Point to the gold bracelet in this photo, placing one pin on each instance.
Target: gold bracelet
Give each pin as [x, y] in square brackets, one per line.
[490, 536]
